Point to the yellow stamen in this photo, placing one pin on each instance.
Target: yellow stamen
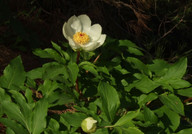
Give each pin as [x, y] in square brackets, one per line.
[81, 38]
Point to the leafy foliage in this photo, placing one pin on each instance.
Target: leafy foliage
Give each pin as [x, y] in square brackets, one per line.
[120, 90]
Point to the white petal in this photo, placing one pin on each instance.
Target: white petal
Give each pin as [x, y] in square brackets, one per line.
[90, 46]
[68, 29]
[94, 45]
[76, 25]
[85, 21]
[90, 123]
[101, 39]
[63, 30]
[73, 45]
[95, 32]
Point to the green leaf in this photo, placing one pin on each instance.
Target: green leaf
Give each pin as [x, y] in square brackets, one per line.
[73, 71]
[14, 74]
[179, 83]
[26, 109]
[90, 69]
[135, 51]
[15, 126]
[137, 64]
[173, 117]
[48, 87]
[143, 99]
[185, 92]
[62, 53]
[131, 47]
[74, 119]
[101, 131]
[88, 66]
[30, 83]
[59, 98]
[13, 112]
[132, 130]
[146, 85]
[160, 67]
[126, 118]
[93, 107]
[127, 43]
[103, 70]
[53, 128]
[91, 111]
[65, 123]
[129, 130]
[172, 102]
[122, 70]
[54, 69]
[87, 55]
[185, 131]
[39, 117]
[4, 96]
[9, 131]
[50, 53]
[35, 73]
[53, 124]
[110, 100]
[150, 115]
[124, 82]
[28, 95]
[177, 70]
[86, 63]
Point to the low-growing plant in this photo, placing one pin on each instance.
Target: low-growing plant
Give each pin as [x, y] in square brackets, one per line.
[111, 90]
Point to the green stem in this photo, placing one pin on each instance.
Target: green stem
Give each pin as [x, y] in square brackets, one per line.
[109, 126]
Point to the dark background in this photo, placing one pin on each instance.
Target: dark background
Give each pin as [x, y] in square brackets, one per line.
[161, 27]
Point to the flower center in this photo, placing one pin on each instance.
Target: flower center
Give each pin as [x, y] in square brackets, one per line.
[81, 38]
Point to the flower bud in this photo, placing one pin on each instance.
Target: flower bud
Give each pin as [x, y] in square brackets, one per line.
[89, 125]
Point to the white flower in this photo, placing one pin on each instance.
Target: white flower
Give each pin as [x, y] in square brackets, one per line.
[81, 35]
[89, 125]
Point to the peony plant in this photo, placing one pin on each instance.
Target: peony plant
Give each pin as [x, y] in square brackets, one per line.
[81, 35]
